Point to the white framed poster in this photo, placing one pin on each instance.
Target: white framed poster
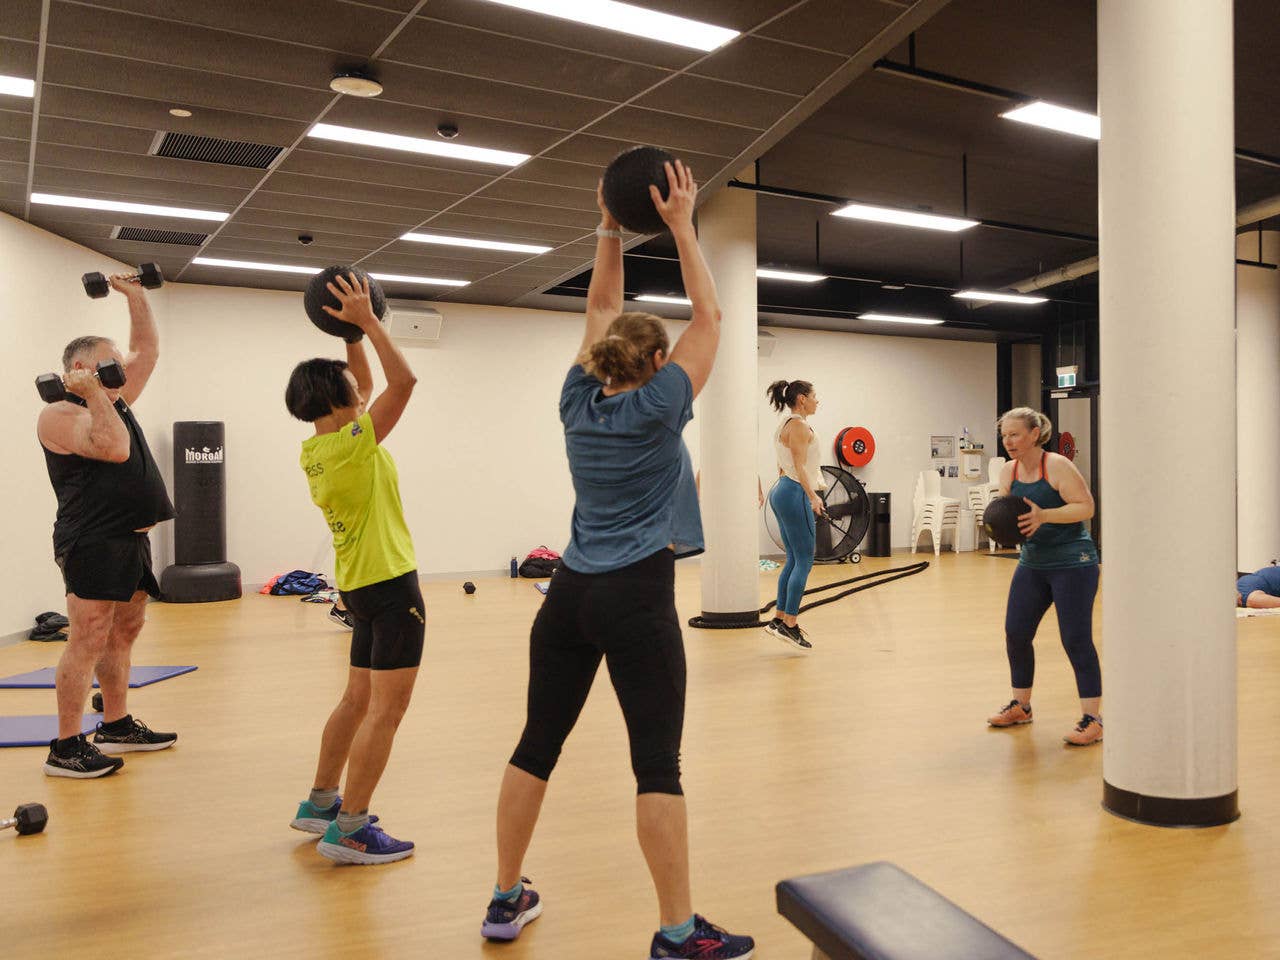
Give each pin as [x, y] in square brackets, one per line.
[942, 448]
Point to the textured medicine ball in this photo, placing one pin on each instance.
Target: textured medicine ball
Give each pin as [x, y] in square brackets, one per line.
[318, 295]
[1000, 519]
[626, 188]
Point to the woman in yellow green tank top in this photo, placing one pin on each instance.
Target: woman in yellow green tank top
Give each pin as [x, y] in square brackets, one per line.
[1058, 566]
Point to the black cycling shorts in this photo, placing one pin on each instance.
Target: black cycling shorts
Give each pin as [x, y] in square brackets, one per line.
[390, 623]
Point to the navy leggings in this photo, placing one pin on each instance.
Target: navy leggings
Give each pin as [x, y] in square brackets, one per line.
[799, 537]
[1071, 591]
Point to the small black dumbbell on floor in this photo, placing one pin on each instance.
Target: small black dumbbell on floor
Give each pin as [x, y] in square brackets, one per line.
[28, 818]
[96, 285]
[96, 702]
[52, 389]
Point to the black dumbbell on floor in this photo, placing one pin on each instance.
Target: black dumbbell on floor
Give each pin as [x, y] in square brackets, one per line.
[52, 389]
[96, 285]
[29, 818]
[96, 702]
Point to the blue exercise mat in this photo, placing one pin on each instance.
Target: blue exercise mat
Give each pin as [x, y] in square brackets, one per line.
[37, 731]
[42, 679]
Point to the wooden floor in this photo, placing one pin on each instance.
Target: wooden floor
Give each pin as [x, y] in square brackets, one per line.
[874, 747]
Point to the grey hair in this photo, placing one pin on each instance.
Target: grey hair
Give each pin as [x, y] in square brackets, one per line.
[79, 348]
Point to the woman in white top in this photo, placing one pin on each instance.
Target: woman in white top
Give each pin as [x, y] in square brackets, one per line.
[795, 501]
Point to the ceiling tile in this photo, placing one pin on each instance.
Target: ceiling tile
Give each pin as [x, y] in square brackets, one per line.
[497, 227]
[679, 134]
[771, 65]
[333, 188]
[137, 189]
[716, 100]
[13, 171]
[311, 205]
[529, 214]
[15, 150]
[15, 124]
[570, 198]
[559, 172]
[842, 26]
[329, 159]
[17, 59]
[597, 151]
[96, 136]
[256, 213]
[240, 248]
[412, 121]
[21, 19]
[175, 171]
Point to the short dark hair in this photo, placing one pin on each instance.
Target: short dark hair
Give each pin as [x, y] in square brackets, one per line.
[317, 388]
[79, 346]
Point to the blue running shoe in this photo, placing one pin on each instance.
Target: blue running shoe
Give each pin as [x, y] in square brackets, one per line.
[506, 918]
[707, 942]
[367, 845]
[312, 819]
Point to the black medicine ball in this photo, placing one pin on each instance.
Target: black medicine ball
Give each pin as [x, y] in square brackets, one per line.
[626, 187]
[318, 295]
[1000, 519]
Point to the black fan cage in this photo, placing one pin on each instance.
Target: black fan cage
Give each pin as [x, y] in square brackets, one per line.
[849, 508]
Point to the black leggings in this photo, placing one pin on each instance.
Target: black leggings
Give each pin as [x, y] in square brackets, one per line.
[389, 628]
[1071, 591]
[628, 617]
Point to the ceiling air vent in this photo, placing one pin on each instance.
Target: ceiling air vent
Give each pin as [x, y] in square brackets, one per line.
[148, 235]
[234, 153]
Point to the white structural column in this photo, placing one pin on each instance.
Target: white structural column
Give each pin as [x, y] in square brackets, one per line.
[728, 414]
[1166, 190]
[1257, 400]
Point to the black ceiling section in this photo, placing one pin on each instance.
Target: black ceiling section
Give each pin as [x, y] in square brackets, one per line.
[573, 97]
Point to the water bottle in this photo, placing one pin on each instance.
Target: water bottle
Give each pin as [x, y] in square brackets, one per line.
[515, 568]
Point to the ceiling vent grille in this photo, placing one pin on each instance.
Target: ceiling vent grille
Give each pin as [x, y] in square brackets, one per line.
[148, 235]
[234, 153]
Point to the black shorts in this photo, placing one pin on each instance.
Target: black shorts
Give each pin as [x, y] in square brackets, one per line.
[389, 623]
[111, 569]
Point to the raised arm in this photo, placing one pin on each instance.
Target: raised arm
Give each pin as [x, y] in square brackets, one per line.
[95, 431]
[696, 350]
[604, 294]
[357, 308]
[358, 364]
[144, 338]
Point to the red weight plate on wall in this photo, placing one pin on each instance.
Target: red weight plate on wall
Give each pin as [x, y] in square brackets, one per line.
[1067, 445]
[857, 446]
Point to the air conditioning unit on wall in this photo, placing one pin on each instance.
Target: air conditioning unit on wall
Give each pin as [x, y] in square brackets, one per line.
[765, 342]
[413, 323]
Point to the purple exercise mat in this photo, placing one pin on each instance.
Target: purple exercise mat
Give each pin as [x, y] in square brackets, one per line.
[42, 679]
[37, 731]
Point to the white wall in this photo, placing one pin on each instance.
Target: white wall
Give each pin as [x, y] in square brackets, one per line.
[1257, 398]
[480, 452]
[1026, 375]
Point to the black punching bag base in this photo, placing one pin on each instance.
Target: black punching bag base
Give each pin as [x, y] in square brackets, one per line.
[200, 582]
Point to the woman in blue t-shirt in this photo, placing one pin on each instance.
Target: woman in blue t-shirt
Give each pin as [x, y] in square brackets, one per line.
[1058, 566]
[623, 405]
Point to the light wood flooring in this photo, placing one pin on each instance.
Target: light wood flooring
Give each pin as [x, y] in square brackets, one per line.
[874, 747]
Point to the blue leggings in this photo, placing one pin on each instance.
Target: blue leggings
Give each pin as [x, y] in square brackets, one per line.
[1071, 591]
[799, 536]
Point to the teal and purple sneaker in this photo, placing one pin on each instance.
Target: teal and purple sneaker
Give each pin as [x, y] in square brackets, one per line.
[506, 918]
[312, 819]
[367, 845]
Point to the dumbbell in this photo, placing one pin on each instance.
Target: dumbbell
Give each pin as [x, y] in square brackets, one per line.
[96, 702]
[28, 818]
[51, 388]
[96, 285]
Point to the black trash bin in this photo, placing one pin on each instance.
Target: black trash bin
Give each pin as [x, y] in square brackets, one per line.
[879, 543]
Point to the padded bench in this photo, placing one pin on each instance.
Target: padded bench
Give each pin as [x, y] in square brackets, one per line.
[880, 912]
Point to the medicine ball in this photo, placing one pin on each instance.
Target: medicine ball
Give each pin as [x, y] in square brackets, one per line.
[626, 187]
[318, 295]
[1000, 519]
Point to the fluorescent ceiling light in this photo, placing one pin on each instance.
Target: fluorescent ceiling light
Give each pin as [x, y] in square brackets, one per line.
[479, 244]
[17, 86]
[789, 275]
[147, 209]
[905, 218]
[890, 318]
[654, 298]
[438, 148]
[1062, 119]
[628, 18]
[998, 297]
[288, 268]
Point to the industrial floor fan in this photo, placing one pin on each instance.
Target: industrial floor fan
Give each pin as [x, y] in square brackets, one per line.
[849, 509]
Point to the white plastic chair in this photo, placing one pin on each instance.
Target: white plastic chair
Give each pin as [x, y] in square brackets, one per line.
[933, 512]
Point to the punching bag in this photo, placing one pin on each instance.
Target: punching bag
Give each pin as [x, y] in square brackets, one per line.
[201, 572]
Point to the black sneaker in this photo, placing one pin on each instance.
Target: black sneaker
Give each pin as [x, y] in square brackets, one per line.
[341, 617]
[136, 736]
[83, 761]
[793, 636]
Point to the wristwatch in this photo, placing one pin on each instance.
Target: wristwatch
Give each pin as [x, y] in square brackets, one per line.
[612, 234]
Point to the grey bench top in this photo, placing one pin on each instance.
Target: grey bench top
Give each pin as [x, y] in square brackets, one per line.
[880, 912]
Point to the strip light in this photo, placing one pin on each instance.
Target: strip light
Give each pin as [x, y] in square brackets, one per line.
[998, 297]
[289, 268]
[764, 274]
[146, 209]
[904, 218]
[891, 318]
[1063, 119]
[628, 18]
[479, 244]
[17, 86]
[437, 148]
[655, 298]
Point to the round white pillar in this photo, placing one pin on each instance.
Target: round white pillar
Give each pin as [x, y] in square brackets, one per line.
[1257, 399]
[1166, 191]
[727, 411]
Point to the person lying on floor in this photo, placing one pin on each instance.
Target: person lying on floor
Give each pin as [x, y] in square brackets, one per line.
[1260, 590]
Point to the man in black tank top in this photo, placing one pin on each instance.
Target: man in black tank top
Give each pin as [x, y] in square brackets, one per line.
[110, 493]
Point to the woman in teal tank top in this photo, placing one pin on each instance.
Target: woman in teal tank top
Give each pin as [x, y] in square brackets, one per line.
[1058, 567]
